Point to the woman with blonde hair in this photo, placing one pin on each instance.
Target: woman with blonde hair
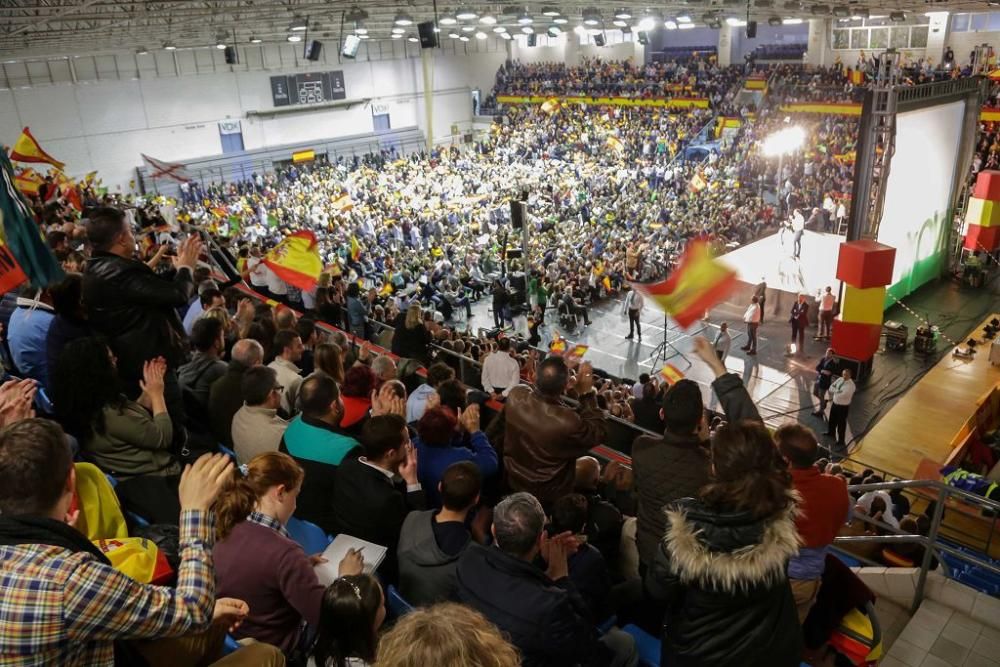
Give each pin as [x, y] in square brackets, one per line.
[446, 635]
[329, 360]
[257, 561]
[411, 337]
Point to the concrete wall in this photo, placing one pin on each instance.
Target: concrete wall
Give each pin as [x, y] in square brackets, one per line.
[105, 124]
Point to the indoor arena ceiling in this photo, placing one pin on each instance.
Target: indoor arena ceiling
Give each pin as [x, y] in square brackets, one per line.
[55, 27]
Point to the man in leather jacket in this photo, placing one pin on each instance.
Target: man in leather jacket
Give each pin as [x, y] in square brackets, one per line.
[543, 437]
[136, 309]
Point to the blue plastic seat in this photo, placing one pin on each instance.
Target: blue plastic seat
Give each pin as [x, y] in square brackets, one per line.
[309, 535]
[646, 644]
[230, 645]
[398, 607]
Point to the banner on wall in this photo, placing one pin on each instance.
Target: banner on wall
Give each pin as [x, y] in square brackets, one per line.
[230, 127]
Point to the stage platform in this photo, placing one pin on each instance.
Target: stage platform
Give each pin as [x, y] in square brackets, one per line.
[771, 259]
[921, 430]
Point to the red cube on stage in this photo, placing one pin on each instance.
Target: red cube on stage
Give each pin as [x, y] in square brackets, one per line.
[982, 238]
[987, 185]
[865, 264]
[855, 340]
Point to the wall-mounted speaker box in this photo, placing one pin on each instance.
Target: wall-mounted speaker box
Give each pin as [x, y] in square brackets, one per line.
[532, 40]
[428, 38]
[751, 29]
[230, 54]
[315, 47]
[599, 40]
[643, 37]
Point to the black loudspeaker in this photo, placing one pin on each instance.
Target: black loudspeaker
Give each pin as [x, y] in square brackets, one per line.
[643, 37]
[751, 29]
[315, 47]
[428, 38]
[532, 40]
[599, 40]
[230, 54]
[516, 214]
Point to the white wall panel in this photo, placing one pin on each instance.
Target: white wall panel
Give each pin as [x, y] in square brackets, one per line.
[50, 111]
[112, 106]
[190, 99]
[10, 121]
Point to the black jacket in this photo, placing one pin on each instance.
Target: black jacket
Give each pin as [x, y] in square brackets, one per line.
[722, 578]
[676, 466]
[546, 620]
[367, 504]
[225, 398]
[137, 310]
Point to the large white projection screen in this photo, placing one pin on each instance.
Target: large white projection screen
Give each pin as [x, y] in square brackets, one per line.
[917, 213]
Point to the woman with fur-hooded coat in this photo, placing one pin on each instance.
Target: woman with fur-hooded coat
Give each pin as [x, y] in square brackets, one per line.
[721, 568]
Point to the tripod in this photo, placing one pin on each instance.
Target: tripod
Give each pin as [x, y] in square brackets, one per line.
[666, 349]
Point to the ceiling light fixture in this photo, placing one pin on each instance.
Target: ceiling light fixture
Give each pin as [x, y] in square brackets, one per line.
[254, 39]
[554, 31]
[468, 28]
[897, 17]
[360, 30]
[525, 19]
[413, 38]
[499, 29]
[774, 21]
[448, 19]
[506, 35]
[550, 11]
[670, 24]
[454, 35]
[647, 24]
[480, 35]
[527, 30]
[397, 35]
[463, 38]
[466, 14]
[294, 38]
[298, 24]
[488, 19]
[142, 51]
[169, 46]
[355, 14]
[402, 18]
[684, 18]
[619, 23]
[580, 30]
[791, 21]
[623, 13]
[686, 26]
[591, 16]
[560, 20]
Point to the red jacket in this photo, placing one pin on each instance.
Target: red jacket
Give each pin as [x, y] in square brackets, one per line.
[824, 506]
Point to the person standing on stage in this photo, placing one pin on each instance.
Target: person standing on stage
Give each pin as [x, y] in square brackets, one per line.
[799, 320]
[633, 306]
[841, 393]
[826, 303]
[760, 291]
[723, 340]
[826, 370]
[798, 228]
[752, 319]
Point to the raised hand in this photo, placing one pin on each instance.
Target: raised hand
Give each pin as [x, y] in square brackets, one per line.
[469, 418]
[201, 482]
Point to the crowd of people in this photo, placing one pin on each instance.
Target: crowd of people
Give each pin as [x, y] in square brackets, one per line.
[158, 398]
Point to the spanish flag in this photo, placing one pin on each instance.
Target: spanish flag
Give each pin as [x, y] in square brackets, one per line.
[671, 374]
[698, 283]
[28, 181]
[857, 77]
[296, 260]
[26, 149]
[558, 344]
[355, 248]
[551, 105]
[697, 183]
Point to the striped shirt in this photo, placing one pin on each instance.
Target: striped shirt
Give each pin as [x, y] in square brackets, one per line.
[63, 608]
[268, 522]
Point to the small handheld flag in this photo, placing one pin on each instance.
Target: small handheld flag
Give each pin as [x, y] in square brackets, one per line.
[670, 374]
[27, 149]
[296, 260]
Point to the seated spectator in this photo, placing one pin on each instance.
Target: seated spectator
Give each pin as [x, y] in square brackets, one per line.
[541, 611]
[824, 508]
[288, 351]
[209, 296]
[312, 439]
[257, 428]
[328, 360]
[206, 366]
[359, 383]
[352, 611]
[256, 560]
[439, 445]
[604, 520]
[123, 437]
[431, 541]
[445, 635]
[306, 328]
[647, 409]
[225, 397]
[71, 606]
[676, 465]
[543, 437]
[70, 321]
[587, 568]
[28, 331]
[720, 569]
[416, 404]
[368, 482]
[384, 369]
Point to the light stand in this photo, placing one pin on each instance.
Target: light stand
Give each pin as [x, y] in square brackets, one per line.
[666, 349]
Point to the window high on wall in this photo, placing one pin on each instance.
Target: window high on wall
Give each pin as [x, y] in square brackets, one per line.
[976, 22]
[879, 32]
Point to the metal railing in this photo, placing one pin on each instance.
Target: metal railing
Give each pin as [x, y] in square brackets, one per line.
[931, 544]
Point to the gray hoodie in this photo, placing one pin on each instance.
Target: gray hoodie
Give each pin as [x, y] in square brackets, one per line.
[426, 573]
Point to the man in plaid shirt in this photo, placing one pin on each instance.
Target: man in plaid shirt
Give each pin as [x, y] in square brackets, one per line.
[62, 602]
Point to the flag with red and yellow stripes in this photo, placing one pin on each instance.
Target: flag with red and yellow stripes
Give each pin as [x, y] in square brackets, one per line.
[27, 149]
[699, 282]
[671, 374]
[296, 260]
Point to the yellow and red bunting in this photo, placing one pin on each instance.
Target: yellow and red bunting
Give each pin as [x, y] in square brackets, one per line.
[671, 374]
[697, 284]
[27, 149]
[296, 260]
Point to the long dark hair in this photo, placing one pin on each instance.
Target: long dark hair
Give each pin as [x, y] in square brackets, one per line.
[347, 621]
[84, 381]
[749, 473]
